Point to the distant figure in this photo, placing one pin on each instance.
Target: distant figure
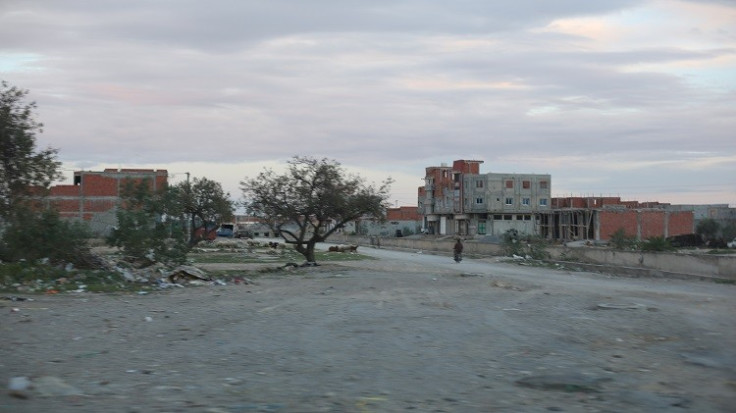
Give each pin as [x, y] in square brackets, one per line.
[458, 250]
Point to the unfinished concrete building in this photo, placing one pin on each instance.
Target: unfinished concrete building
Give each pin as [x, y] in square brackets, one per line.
[458, 199]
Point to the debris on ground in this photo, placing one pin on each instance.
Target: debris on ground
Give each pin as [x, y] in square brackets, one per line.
[343, 248]
[187, 274]
[19, 386]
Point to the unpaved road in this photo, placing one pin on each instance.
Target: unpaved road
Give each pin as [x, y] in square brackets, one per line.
[404, 332]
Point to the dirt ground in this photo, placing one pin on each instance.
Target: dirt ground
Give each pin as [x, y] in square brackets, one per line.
[402, 332]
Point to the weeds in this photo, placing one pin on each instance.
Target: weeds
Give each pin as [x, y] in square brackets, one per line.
[43, 278]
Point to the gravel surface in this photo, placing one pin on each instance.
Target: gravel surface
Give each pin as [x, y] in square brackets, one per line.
[403, 332]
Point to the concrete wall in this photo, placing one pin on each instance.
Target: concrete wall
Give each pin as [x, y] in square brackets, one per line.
[698, 265]
[705, 265]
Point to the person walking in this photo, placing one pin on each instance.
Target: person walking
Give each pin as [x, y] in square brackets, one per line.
[458, 250]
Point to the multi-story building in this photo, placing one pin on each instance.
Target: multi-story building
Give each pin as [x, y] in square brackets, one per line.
[458, 199]
[94, 195]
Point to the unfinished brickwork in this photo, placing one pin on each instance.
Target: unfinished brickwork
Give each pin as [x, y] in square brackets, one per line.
[598, 218]
[460, 200]
[94, 195]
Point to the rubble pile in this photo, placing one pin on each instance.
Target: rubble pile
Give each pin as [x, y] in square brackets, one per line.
[110, 273]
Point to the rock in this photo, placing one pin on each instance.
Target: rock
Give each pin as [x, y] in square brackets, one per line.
[18, 387]
[619, 306]
[49, 386]
[187, 273]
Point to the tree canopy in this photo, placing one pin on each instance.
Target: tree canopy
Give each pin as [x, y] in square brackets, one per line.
[150, 227]
[311, 200]
[22, 166]
[206, 201]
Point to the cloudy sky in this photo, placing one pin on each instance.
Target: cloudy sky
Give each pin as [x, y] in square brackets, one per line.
[626, 98]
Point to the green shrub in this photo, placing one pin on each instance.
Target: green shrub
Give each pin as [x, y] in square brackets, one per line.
[656, 244]
[34, 236]
[620, 241]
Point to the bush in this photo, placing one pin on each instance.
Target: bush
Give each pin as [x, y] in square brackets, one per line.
[656, 244]
[34, 236]
[524, 245]
[148, 228]
[708, 228]
[620, 241]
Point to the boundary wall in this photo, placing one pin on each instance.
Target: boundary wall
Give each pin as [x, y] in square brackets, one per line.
[676, 265]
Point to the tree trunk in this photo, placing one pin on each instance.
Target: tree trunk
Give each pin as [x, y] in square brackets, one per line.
[191, 231]
[309, 253]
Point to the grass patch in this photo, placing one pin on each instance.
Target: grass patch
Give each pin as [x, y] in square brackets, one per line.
[42, 279]
[722, 251]
[722, 281]
[270, 256]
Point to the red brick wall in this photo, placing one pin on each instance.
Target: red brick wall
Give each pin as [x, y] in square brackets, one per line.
[64, 190]
[681, 222]
[99, 205]
[466, 167]
[403, 214]
[64, 205]
[611, 221]
[98, 185]
[651, 222]
[99, 190]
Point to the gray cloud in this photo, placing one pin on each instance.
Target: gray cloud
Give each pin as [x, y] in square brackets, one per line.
[403, 84]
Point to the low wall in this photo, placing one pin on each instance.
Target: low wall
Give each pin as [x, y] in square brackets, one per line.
[702, 265]
[631, 262]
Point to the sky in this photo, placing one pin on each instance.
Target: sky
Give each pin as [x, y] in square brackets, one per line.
[625, 98]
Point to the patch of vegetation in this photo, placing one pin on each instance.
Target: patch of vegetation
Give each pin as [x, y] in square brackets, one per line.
[524, 245]
[23, 277]
[32, 236]
[620, 241]
[269, 256]
[568, 257]
[721, 251]
[722, 281]
[656, 244]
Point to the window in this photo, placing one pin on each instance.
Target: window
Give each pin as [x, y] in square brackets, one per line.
[497, 217]
[508, 217]
[543, 185]
[479, 184]
[526, 201]
[543, 201]
[482, 227]
[478, 201]
[509, 184]
[509, 201]
[526, 184]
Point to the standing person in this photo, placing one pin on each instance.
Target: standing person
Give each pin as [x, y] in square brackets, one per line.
[458, 250]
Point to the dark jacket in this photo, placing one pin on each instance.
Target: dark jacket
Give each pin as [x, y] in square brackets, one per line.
[458, 248]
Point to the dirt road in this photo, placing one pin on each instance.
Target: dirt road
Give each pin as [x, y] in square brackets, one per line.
[403, 332]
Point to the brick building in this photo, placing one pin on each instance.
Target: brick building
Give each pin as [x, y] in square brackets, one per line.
[597, 218]
[94, 196]
[458, 199]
